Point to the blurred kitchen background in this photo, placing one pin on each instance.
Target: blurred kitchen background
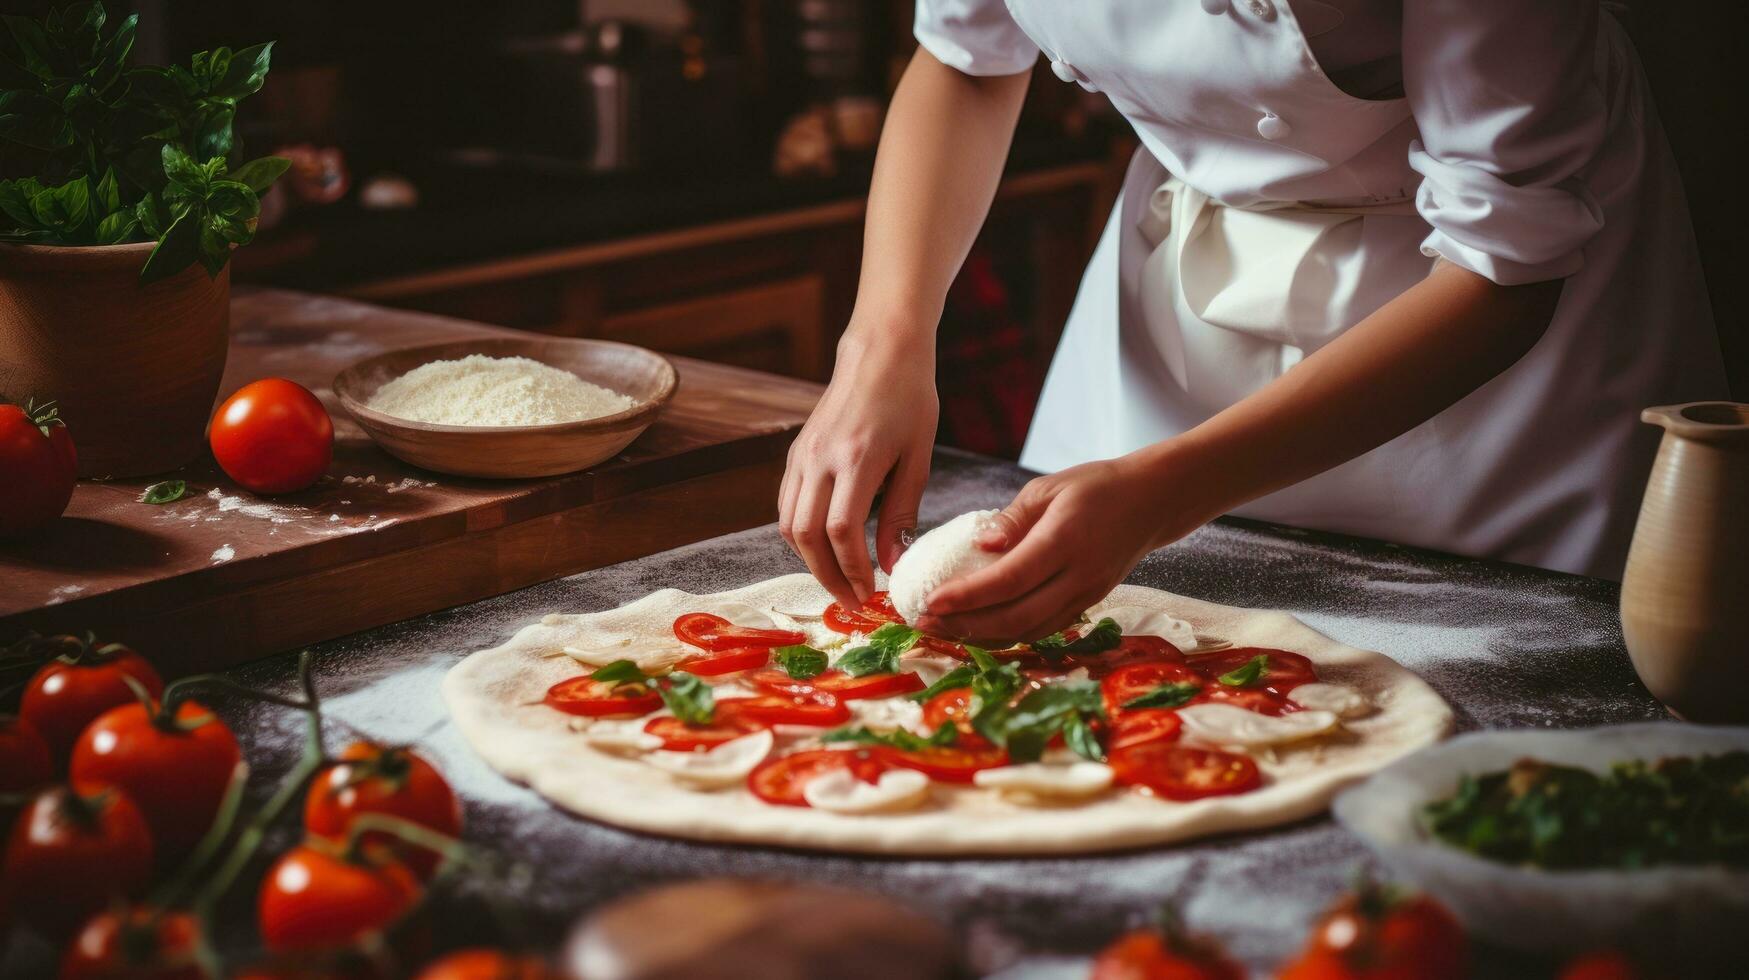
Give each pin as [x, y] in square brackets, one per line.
[689, 174]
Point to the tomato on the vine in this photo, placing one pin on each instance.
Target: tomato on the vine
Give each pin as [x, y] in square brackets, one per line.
[712, 632]
[1163, 954]
[37, 456]
[393, 782]
[73, 851]
[485, 964]
[25, 762]
[1376, 934]
[175, 768]
[70, 691]
[272, 436]
[135, 942]
[316, 899]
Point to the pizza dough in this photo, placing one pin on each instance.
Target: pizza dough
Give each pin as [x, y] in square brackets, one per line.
[494, 696]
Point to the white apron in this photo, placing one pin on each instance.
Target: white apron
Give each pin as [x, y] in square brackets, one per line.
[1189, 305]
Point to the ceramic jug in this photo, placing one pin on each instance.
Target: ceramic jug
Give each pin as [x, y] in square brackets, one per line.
[1685, 596]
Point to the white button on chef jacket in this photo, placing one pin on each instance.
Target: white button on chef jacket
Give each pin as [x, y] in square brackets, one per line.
[1268, 211]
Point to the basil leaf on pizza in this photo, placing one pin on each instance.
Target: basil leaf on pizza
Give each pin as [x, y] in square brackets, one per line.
[1246, 673]
[689, 697]
[955, 678]
[899, 738]
[620, 672]
[1166, 696]
[1105, 635]
[800, 661]
[880, 653]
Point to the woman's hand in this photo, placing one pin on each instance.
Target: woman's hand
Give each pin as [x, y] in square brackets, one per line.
[1069, 537]
[874, 426]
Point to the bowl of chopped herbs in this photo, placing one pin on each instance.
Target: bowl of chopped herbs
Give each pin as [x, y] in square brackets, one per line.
[1632, 836]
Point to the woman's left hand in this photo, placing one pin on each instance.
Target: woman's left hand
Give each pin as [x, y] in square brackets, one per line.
[1069, 537]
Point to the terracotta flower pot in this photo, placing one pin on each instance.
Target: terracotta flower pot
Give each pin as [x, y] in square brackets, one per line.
[134, 368]
[1683, 609]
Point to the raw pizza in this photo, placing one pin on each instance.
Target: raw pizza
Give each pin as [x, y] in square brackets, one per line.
[771, 715]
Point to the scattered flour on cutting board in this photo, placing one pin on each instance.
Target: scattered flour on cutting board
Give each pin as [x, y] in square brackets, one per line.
[481, 390]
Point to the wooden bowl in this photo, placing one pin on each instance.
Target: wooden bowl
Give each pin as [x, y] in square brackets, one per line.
[515, 451]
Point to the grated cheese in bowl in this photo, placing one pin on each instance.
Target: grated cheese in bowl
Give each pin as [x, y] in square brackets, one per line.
[494, 391]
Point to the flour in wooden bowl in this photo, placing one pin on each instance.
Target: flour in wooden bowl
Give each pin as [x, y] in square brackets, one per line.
[487, 391]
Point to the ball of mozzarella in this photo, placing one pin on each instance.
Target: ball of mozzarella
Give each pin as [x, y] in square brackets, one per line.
[945, 553]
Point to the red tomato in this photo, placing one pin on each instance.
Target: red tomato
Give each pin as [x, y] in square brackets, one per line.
[727, 662]
[1145, 954]
[1139, 725]
[25, 762]
[1284, 672]
[950, 707]
[313, 899]
[135, 942]
[1375, 936]
[1125, 684]
[781, 780]
[37, 456]
[936, 644]
[273, 436]
[72, 852]
[716, 633]
[678, 736]
[841, 685]
[815, 708]
[70, 691]
[394, 782]
[600, 699]
[1180, 772]
[175, 769]
[875, 613]
[1602, 964]
[485, 964]
[1249, 698]
[951, 764]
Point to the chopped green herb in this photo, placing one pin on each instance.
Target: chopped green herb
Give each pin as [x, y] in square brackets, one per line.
[1246, 673]
[800, 661]
[955, 678]
[880, 654]
[898, 738]
[1079, 736]
[689, 698]
[1166, 696]
[165, 492]
[1104, 635]
[1026, 727]
[620, 672]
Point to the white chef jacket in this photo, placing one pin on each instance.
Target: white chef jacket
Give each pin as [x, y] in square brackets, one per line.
[1269, 210]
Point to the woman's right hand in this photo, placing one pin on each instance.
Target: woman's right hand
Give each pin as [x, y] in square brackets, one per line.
[873, 428]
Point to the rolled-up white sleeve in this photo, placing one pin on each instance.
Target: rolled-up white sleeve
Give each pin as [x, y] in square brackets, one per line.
[978, 37]
[1511, 113]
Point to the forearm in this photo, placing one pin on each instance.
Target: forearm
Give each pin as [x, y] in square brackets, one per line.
[941, 155]
[1416, 356]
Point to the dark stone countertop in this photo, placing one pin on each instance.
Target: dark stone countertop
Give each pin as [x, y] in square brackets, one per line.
[1508, 646]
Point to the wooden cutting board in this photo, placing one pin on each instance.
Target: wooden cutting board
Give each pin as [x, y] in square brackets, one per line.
[222, 575]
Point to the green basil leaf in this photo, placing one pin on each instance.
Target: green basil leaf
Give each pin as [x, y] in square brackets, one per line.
[982, 657]
[260, 173]
[1105, 635]
[1166, 696]
[116, 228]
[182, 172]
[244, 71]
[620, 672]
[1081, 739]
[107, 195]
[212, 130]
[215, 249]
[955, 678]
[689, 698]
[1026, 727]
[165, 492]
[179, 247]
[880, 653]
[800, 661]
[1247, 673]
[899, 738]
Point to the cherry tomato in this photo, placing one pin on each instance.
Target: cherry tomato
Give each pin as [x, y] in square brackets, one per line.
[1126, 684]
[1146, 954]
[815, 708]
[72, 852]
[70, 691]
[781, 780]
[314, 899]
[37, 456]
[950, 707]
[25, 762]
[392, 781]
[1283, 672]
[1602, 964]
[273, 436]
[1181, 772]
[1373, 935]
[135, 942]
[1138, 725]
[1249, 698]
[716, 633]
[727, 662]
[950, 764]
[175, 769]
[875, 613]
[485, 964]
[601, 699]
[678, 736]
[841, 685]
